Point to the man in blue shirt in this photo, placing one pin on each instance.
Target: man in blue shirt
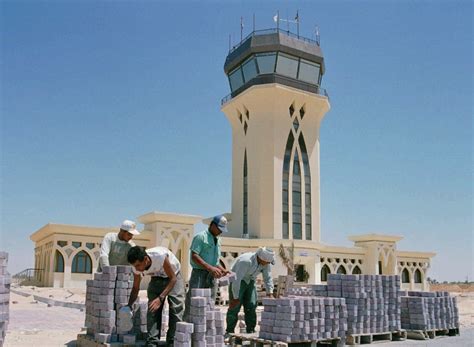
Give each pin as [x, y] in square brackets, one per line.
[243, 291]
[205, 254]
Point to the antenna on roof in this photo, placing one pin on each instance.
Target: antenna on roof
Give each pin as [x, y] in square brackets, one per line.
[297, 19]
[316, 31]
[276, 19]
[254, 22]
[241, 28]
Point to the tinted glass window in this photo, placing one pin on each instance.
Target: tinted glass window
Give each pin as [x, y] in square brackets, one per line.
[250, 69]
[266, 62]
[235, 79]
[309, 72]
[286, 65]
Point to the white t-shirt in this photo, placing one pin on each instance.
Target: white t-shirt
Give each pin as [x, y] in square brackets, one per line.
[157, 256]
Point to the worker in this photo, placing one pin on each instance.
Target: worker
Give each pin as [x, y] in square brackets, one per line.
[242, 291]
[166, 283]
[205, 252]
[115, 246]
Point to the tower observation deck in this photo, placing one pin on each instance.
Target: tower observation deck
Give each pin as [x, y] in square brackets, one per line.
[275, 56]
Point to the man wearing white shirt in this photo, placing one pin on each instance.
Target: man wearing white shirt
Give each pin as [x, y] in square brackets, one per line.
[242, 291]
[115, 246]
[166, 281]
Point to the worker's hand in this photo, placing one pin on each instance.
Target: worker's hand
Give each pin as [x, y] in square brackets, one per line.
[216, 272]
[155, 304]
[233, 303]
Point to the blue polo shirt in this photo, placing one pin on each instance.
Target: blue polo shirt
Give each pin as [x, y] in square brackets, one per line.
[206, 247]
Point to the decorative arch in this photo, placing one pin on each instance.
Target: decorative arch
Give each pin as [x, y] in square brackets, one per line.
[285, 186]
[297, 204]
[405, 276]
[418, 278]
[341, 270]
[58, 261]
[307, 185]
[81, 263]
[325, 271]
[296, 169]
[356, 270]
[245, 198]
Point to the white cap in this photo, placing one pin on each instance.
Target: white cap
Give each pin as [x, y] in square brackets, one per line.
[266, 254]
[129, 226]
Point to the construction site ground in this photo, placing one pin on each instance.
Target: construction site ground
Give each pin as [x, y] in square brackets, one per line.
[33, 323]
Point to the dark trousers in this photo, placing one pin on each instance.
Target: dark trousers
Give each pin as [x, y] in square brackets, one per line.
[176, 309]
[199, 279]
[247, 298]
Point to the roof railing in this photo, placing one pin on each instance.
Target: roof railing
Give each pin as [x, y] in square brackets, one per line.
[319, 91]
[274, 31]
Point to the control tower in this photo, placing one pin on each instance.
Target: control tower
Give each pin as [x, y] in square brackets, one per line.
[275, 109]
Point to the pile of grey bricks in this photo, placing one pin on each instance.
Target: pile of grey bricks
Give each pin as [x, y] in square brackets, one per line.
[207, 320]
[303, 319]
[227, 279]
[373, 303]
[309, 290]
[5, 280]
[429, 311]
[106, 294]
[183, 335]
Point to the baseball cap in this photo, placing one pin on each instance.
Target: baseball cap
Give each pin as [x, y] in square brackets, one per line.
[221, 223]
[130, 226]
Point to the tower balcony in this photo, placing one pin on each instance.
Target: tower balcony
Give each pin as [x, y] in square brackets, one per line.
[275, 56]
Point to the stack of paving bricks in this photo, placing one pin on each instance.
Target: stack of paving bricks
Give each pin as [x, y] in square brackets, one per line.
[5, 280]
[106, 294]
[303, 319]
[429, 311]
[226, 280]
[309, 290]
[182, 338]
[208, 320]
[373, 303]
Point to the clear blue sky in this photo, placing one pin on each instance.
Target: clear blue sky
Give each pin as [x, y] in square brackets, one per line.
[112, 109]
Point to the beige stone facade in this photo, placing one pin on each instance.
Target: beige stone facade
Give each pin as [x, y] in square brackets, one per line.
[67, 255]
[275, 201]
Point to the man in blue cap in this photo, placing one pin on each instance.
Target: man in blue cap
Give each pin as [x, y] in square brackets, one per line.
[205, 253]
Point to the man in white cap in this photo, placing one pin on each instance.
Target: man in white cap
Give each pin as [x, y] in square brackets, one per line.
[204, 258]
[115, 246]
[242, 291]
[166, 283]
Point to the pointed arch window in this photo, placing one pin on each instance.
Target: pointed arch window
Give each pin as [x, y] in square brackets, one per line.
[81, 263]
[307, 187]
[417, 276]
[245, 202]
[285, 186]
[296, 196]
[341, 270]
[356, 271]
[58, 262]
[300, 178]
[405, 276]
[325, 271]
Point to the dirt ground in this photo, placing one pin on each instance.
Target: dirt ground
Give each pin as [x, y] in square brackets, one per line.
[465, 295]
[36, 324]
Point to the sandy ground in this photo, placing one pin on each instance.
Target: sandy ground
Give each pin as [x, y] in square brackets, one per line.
[36, 324]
